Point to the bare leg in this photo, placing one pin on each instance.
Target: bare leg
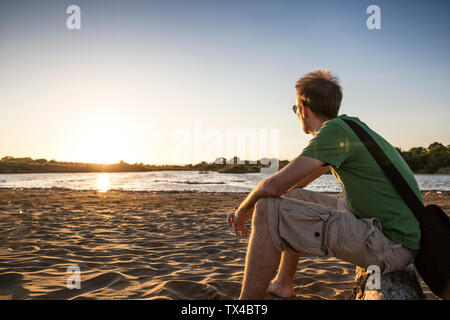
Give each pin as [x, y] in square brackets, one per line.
[262, 258]
[282, 284]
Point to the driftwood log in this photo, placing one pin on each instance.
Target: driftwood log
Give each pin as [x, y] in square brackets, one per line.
[398, 285]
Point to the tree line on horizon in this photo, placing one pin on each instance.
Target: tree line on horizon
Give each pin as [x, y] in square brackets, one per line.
[434, 159]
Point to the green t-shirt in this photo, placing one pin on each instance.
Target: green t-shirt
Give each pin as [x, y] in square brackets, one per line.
[368, 192]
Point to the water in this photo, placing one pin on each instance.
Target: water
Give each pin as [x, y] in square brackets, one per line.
[178, 181]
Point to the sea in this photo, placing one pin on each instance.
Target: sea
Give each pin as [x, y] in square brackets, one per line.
[194, 181]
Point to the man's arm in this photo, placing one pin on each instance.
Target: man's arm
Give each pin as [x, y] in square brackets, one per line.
[310, 178]
[274, 186]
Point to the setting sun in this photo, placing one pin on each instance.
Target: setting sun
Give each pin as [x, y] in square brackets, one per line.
[104, 136]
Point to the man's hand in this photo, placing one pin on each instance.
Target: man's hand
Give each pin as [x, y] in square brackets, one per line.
[274, 186]
[237, 220]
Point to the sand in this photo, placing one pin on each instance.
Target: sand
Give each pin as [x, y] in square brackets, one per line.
[140, 245]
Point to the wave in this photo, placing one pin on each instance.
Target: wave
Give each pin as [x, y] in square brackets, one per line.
[198, 182]
[189, 182]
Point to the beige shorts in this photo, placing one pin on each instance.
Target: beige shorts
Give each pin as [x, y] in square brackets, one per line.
[314, 224]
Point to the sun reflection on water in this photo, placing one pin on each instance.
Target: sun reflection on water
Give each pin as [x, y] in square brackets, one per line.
[103, 182]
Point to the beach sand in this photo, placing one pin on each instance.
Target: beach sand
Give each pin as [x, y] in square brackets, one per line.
[140, 245]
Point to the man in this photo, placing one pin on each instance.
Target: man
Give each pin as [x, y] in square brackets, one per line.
[372, 226]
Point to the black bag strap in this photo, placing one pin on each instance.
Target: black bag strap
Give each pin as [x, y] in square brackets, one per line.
[391, 172]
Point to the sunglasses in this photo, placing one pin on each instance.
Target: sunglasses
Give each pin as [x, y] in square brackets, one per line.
[295, 107]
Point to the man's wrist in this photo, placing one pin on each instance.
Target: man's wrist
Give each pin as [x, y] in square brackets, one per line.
[247, 206]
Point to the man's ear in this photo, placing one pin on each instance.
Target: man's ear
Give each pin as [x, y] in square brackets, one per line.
[305, 111]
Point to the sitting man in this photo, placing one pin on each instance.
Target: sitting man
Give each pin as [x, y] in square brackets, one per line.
[372, 226]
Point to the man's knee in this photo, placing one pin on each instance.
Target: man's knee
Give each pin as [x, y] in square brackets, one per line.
[260, 213]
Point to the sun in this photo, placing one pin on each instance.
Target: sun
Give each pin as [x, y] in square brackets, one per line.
[100, 139]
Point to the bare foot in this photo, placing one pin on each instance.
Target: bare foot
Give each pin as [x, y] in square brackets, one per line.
[281, 291]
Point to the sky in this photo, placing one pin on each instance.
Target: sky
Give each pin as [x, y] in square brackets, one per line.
[170, 81]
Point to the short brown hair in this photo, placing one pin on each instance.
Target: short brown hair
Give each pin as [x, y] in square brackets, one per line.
[321, 92]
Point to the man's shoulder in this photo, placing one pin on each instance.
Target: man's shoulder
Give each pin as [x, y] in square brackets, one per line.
[338, 126]
[339, 120]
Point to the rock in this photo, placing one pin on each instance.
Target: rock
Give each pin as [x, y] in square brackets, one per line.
[398, 285]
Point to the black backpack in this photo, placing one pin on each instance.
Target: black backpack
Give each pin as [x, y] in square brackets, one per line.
[433, 260]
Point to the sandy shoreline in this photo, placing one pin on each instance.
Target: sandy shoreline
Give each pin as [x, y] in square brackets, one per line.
[140, 245]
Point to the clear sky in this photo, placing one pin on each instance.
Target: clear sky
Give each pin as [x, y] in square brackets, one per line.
[138, 72]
